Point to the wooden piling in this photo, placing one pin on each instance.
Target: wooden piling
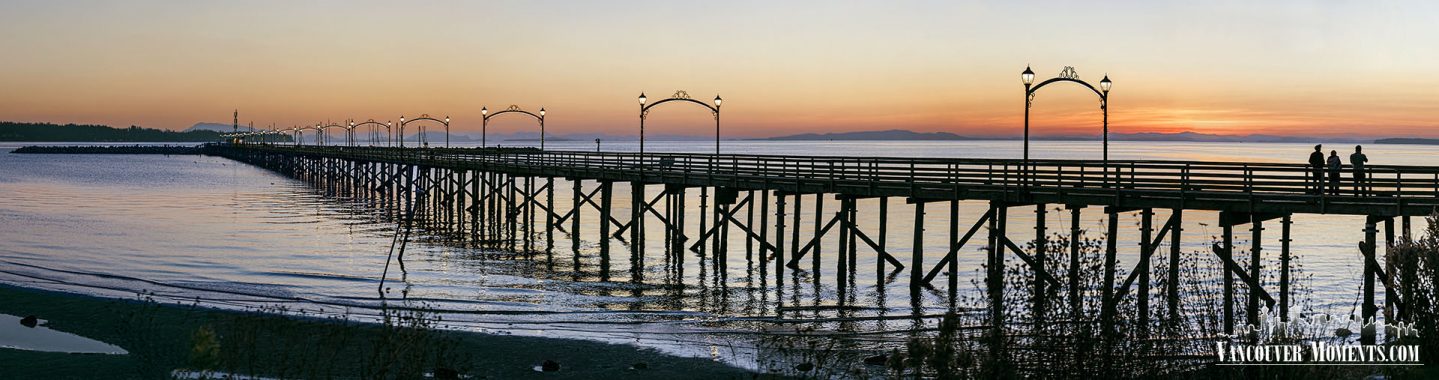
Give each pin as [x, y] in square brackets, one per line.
[883, 236]
[1284, 268]
[1172, 282]
[779, 240]
[953, 264]
[1256, 262]
[1041, 245]
[1369, 311]
[1146, 237]
[1111, 252]
[916, 266]
[1228, 277]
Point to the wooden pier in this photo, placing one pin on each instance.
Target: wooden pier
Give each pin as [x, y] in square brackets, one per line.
[501, 198]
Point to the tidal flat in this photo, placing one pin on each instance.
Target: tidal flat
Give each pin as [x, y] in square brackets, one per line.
[166, 339]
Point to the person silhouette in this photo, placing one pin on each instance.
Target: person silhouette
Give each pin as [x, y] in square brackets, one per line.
[1356, 163]
[1316, 169]
[1334, 165]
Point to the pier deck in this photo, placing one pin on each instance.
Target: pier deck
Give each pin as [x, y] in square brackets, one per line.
[1193, 185]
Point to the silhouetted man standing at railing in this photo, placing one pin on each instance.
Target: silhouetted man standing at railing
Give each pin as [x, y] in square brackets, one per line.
[1316, 169]
[1361, 178]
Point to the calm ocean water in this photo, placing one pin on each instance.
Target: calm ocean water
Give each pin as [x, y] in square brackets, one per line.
[236, 236]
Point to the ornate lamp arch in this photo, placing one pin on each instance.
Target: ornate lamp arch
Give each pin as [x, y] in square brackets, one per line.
[374, 129]
[318, 132]
[679, 96]
[324, 128]
[1068, 74]
[424, 117]
[486, 115]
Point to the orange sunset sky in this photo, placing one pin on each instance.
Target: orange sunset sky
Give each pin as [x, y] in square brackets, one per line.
[1333, 68]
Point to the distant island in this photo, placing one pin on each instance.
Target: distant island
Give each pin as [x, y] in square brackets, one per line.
[46, 132]
[1408, 140]
[899, 134]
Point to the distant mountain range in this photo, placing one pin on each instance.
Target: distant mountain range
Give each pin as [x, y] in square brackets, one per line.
[1415, 141]
[893, 134]
[215, 127]
[899, 134]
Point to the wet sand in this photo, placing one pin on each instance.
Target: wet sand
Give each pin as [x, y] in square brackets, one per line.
[162, 338]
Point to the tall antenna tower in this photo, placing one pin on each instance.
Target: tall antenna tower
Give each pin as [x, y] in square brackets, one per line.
[236, 127]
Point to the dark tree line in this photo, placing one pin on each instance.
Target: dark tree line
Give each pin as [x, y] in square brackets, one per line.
[15, 131]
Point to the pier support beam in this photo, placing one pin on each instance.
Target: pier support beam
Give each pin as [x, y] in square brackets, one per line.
[1111, 251]
[1368, 309]
[916, 265]
[1172, 282]
[1041, 248]
[1146, 246]
[1075, 305]
[995, 278]
[1284, 268]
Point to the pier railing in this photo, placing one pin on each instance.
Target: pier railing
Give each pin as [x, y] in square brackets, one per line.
[1389, 189]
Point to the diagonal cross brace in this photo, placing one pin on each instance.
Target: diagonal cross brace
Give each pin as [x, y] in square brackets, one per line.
[585, 199]
[872, 244]
[650, 207]
[529, 200]
[750, 233]
[1373, 265]
[1143, 264]
[956, 246]
[794, 261]
[1239, 272]
[1038, 269]
[728, 216]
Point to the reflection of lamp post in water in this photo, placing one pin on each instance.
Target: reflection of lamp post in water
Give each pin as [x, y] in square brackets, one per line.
[1066, 75]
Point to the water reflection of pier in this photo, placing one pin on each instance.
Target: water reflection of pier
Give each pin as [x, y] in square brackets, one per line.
[506, 198]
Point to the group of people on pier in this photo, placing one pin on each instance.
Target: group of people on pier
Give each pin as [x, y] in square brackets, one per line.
[1329, 169]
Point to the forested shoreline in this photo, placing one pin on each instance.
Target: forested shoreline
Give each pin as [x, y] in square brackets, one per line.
[47, 132]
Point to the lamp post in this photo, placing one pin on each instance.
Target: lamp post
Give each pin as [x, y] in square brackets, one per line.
[1066, 75]
[679, 96]
[717, 122]
[485, 123]
[642, 124]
